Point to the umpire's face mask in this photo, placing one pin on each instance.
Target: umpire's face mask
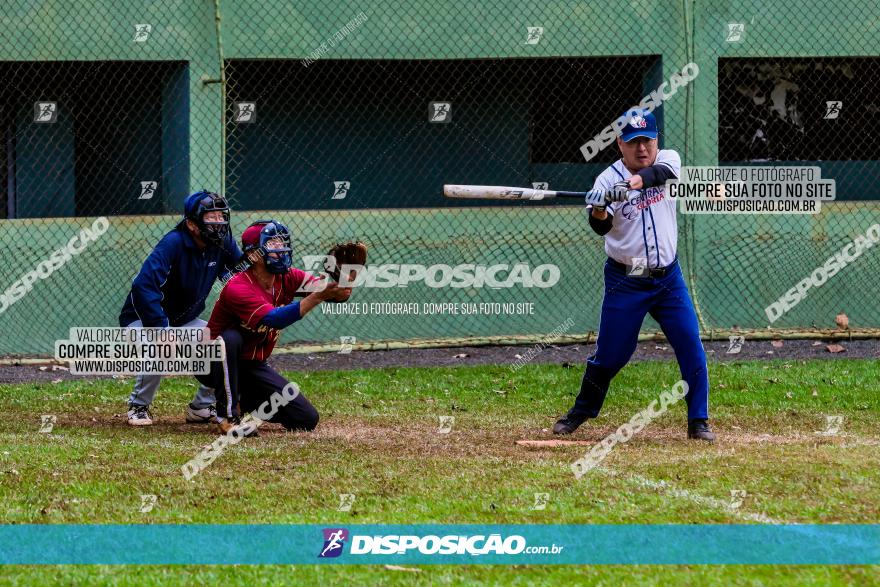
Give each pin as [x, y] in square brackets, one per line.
[214, 227]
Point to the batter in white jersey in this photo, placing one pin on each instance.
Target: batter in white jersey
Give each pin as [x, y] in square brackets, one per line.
[644, 226]
[628, 206]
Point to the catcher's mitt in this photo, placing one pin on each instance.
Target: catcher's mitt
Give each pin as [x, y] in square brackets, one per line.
[350, 253]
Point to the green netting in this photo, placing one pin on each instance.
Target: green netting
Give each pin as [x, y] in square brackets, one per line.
[280, 105]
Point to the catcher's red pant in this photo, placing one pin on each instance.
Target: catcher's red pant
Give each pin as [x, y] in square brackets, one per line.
[250, 384]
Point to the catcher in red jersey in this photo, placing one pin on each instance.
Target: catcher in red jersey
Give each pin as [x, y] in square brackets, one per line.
[252, 309]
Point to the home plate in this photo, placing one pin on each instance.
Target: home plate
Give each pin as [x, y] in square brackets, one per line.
[552, 443]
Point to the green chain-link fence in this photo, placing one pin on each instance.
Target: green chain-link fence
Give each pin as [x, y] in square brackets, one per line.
[344, 121]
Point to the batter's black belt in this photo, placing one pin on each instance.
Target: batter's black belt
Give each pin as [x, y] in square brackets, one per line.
[645, 272]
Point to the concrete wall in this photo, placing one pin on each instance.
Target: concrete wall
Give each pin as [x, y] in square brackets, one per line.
[737, 265]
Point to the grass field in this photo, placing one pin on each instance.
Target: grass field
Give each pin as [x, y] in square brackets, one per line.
[379, 439]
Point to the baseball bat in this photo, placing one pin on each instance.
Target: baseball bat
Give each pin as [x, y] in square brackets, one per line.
[499, 192]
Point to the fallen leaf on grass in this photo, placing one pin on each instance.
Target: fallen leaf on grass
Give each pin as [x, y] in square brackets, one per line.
[407, 569]
[835, 348]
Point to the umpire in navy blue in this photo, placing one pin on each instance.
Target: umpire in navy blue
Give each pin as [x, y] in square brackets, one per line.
[171, 288]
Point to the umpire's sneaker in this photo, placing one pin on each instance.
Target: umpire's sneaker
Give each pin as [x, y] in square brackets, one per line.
[569, 422]
[139, 416]
[698, 429]
[201, 415]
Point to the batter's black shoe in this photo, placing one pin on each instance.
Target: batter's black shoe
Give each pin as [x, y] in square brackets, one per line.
[698, 429]
[569, 422]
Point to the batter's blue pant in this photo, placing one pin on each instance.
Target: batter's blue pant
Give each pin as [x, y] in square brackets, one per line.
[627, 300]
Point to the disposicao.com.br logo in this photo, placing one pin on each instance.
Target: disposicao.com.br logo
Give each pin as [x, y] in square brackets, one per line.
[334, 541]
[465, 275]
[393, 544]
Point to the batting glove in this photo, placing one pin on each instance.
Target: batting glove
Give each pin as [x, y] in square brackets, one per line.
[619, 191]
[596, 199]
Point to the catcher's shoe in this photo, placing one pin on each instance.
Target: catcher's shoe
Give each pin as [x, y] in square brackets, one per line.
[569, 422]
[698, 429]
[139, 416]
[225, 426]
[201, 415]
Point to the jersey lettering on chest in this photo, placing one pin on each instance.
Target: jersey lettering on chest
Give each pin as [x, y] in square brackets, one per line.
[631, 209]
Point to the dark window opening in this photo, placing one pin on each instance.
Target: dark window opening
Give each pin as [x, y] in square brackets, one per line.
[366, 125]
[87, 138]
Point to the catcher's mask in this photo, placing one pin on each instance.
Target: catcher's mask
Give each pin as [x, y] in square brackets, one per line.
[200, 203]
[272, 239]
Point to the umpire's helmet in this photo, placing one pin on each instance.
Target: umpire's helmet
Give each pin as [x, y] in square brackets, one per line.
[200, 203]
[272, 239]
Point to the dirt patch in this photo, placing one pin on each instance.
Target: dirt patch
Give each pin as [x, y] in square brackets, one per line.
[727, 437]
[569, 355]
[418, 439]
[413, 440]
[552, 443]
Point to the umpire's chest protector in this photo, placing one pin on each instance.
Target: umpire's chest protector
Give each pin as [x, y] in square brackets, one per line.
[190, 280]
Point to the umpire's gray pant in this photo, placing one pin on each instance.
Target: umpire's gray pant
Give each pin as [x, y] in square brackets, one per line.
[146, 386]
